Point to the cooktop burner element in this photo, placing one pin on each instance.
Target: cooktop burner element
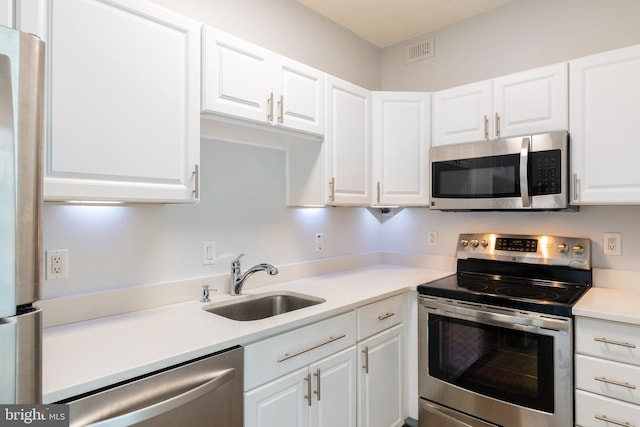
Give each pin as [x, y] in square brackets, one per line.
[545, 274]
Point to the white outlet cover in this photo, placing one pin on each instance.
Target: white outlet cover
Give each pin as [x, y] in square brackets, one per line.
[612, 243]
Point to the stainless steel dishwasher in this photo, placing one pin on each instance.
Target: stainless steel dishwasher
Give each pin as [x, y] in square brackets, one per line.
[202, 392]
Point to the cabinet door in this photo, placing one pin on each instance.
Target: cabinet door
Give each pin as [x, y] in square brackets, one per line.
[401, 140]
[282, 402]
[237, 77]
[348, 140]
[123, 95]
[604, 117]
[334, 390]
[533, 101]
[380, 402]
[462, 114]
[300, 96]
[6, 13]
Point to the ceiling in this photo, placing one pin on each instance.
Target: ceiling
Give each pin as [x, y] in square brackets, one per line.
[387, 22]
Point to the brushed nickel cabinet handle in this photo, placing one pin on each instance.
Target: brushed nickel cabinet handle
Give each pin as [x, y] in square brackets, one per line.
[575, 187]
[308, 395]
[615, 382]
[331, 339]
[486, 127]
[366, 360]
[497, 125]
[332, 189]
[385, 316]
[196, 185]
[281, 110]
[270, 103]
[612, 421]
[378, 192]
[317, 375]
[614, 342]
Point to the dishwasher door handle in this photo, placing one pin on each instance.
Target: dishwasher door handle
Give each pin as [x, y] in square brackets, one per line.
[168, 404]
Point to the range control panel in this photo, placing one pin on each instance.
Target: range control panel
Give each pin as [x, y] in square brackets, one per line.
[539, 249]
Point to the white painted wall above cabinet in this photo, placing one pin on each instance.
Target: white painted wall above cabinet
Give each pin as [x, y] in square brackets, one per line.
[244, 81]
[533, 101]
[122, 101]
[401, 140]
[605, 135]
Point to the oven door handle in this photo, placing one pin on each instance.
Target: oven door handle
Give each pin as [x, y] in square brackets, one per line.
[519, 321]
[524, 172]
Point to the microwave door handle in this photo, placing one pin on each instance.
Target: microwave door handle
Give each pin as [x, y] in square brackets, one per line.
[524, 172]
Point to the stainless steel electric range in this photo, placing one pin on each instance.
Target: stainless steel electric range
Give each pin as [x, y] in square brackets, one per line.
[496, 337]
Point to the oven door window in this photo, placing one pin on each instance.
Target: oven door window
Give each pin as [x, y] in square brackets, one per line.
[482, 177]
[506, 364]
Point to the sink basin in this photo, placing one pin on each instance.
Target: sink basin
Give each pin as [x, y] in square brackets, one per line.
[262, 306]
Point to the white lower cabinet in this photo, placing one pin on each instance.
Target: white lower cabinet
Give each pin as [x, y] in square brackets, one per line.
[381, 374]
[607, 373]
[320, 395]
[380, 403]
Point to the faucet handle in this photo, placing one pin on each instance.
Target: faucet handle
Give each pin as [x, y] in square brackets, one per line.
[237, 260]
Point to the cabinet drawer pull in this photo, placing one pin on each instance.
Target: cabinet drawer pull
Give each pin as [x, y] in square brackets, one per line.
[288, 356]
[332, 189]
[385, 316]
[497, 125]
[196, 185]
[612, 421]
[620, 343]
[614, 382]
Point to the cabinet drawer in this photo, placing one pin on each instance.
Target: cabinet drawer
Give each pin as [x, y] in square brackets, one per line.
[611, 379]
[284, 353]
[379, 316]
[609, 340]
[598, 411]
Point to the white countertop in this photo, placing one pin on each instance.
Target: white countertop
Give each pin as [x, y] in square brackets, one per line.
[84, 356]
[619, 305]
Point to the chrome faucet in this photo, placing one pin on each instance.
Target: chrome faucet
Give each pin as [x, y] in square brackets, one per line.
[238, 277]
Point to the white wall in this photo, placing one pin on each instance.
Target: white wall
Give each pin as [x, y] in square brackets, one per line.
[521, 35]
[242, 209]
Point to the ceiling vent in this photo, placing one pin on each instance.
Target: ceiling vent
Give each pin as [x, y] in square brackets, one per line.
[419, 51]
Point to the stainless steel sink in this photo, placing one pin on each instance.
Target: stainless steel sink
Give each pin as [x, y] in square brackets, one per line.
[262, 306]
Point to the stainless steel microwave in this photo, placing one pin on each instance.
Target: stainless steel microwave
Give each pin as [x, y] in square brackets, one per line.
[527, 172]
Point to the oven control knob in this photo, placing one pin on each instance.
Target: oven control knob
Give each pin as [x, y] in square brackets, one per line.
[464, 243]
[475, 243]
[484, 244]
[578, 249]
[563, 248]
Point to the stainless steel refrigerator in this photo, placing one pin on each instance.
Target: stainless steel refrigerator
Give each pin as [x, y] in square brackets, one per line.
[21, 133]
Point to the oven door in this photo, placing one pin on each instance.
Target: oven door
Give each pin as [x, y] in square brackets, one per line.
[508, 367]
[528, 172]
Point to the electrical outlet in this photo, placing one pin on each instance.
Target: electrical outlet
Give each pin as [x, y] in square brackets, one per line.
[433, 237]
[612, 243]
[57, 264]
[319, 242]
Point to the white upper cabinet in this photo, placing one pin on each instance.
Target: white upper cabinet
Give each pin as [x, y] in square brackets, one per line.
[401, 140]
[348, 144]
[122, 101]
[532, 101]
[242, 80]
[461, 114]
[605, 113]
